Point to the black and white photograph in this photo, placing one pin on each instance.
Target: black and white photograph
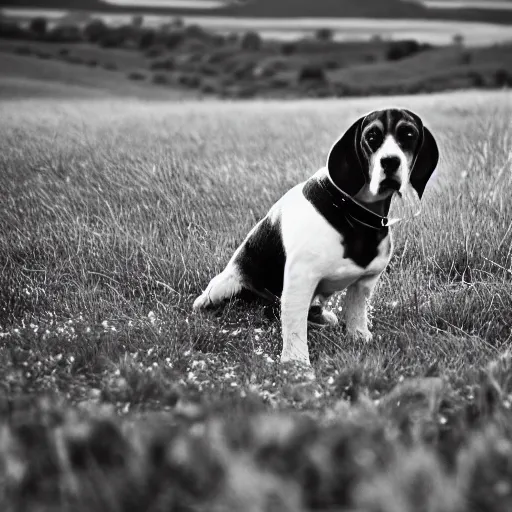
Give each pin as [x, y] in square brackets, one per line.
[255, 255]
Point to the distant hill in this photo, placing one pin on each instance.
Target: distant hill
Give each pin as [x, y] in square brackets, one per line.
[85, 5]
[328, 8]
[361, 8]
[272, 8]
[289, 9]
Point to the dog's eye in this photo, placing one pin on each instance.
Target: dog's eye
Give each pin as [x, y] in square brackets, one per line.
[373, 137]
[407, 133]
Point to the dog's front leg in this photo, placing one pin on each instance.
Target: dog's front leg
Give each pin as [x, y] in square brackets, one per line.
[356, 307]
[298, 288]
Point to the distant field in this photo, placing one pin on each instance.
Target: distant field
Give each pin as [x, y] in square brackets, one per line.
[123, 59]
[22, 76]
[199, 61]
[428, 31]
[426, 67]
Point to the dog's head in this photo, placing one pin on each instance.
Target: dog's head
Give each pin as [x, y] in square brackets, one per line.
[382, 152]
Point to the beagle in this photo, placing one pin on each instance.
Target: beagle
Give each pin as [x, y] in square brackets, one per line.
[331, 232]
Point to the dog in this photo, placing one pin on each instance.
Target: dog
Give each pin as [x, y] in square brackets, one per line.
[331, 232]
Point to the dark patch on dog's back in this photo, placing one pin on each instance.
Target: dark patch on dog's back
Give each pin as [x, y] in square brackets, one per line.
[361, 242]
[262, 258]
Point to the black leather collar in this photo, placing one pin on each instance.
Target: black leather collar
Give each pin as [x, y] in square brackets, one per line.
[338, 207]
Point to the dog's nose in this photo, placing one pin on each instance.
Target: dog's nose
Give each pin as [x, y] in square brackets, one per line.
[390, 164]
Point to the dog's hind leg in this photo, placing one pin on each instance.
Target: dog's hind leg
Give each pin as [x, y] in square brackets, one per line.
[319, 315]
[223, 286]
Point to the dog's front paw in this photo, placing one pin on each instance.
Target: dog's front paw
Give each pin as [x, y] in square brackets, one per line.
[295, 354]
[295, 358]
[201, 302]
[359, 334]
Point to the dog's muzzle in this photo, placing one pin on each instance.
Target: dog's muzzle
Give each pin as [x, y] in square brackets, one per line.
[390, 166]
[388, 184]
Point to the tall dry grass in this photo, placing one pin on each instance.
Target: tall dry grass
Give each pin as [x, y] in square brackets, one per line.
[112, 209]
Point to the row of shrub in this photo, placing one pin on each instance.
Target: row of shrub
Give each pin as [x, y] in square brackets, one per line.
[58, 34]
[169, 36]
[174, 35]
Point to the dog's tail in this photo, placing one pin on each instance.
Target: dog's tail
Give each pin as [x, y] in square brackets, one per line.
[222, 287]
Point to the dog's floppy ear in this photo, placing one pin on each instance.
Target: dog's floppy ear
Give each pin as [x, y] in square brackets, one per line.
[426, 158]
[345, 161]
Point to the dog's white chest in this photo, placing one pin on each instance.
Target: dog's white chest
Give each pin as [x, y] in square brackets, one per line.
[345, 272]
[309, 238]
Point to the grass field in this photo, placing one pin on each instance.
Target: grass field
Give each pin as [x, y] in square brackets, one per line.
[115, 213]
